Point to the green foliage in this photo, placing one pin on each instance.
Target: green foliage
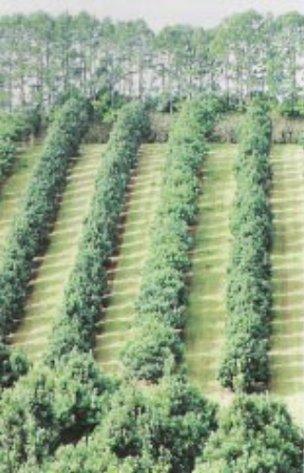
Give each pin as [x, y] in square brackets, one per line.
[245, 364]
[17, 126]
[143, 432]
[30, 231]
[254, 435]
[13, 127]
[150, 352]
[8, 152]
[73, 93]
[45, 58]
[162, 300]
[88, 281]
[13, 364]
[50, 406]
[165, 102]
[291, 108]
[173, 424]
[107, 106]
[256, 132]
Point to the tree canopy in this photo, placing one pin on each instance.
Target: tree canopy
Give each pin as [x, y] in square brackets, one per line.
[42, 57]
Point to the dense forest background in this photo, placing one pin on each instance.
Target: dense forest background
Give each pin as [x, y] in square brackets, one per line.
[42, 57]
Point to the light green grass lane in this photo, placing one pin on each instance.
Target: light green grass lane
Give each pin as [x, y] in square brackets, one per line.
[142, 201]
[47, 285]
[13, 189]
[205, 329]
[287, 350]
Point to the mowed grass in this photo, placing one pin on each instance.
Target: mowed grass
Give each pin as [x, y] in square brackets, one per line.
[47, 285]
[206, 315]
[287, 351]
[13, 189]
[142, 201]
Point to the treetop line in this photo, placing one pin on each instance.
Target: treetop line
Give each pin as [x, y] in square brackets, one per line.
[42, 57]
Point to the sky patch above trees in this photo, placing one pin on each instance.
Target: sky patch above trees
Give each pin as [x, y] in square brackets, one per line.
[156, 13]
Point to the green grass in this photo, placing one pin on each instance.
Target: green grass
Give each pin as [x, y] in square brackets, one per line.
[47, 286]
[287, 351]
[142, 202]
[12, 191]
[206, 311]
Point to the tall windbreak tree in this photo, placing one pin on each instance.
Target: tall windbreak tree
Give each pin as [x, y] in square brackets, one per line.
[43, 57]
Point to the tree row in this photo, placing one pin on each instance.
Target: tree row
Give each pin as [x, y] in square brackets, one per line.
[42, 57]
[160, 308]
[245, 364]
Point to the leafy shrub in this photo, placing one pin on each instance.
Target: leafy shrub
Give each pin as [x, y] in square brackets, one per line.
[50, 406]
[13, 364]
[17, 126]
[254, 435]
[107, 105]
[154, 343]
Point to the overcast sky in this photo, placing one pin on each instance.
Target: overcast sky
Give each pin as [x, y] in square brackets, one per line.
[156, 12]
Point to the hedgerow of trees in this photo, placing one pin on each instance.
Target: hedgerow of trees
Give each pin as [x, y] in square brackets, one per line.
[88, 282]
[245, 364]
[42, 57]
[163, 296]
